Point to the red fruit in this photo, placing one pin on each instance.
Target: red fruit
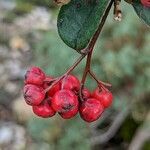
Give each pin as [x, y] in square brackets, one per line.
[47, 82]
[44, 110]
[105, 97]
[71, 83]
[86, 93]
[54, 89]
[69, 114]
[33, 94]
[64, 101]
[91, 109]
[34, 76]
[145, 3]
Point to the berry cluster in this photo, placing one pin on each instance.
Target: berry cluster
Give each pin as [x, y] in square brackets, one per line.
[63, 97]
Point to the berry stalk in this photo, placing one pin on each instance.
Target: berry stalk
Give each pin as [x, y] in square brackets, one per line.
[91, 45]
[99, 81]
[67, 73]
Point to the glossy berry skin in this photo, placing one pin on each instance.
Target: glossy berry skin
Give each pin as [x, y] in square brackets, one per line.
[91, 109]
[34, 75]
[70, 83]
[105, 97]
[44, 110]
[69, 114]
[33, 94]
[86, 93]
[145, 3]
[64, 101]
[54, 89]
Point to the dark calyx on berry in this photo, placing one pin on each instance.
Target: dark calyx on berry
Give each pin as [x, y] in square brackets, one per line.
[33, 94]
[69, 114]
[64, 101]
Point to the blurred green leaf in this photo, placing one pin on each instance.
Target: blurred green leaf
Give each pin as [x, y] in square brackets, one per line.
[75, 136]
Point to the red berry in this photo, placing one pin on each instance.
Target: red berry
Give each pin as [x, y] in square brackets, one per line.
[44, 110]
[34, 76]
[71, 83]
[64, 101]
[145, 3]
[105, 97]
[86, 93]
[91, 109]
[33, 94]
[69, 114]
[54, 89]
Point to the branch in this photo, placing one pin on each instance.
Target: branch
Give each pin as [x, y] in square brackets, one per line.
[141, 136]
[105, 137]
[95, 124]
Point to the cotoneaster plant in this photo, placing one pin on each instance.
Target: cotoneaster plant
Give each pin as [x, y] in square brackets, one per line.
[79, 25]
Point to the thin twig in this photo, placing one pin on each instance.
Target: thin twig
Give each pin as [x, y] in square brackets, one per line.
[141, 135]
[69, 70]
[98, 81]
[105, 137]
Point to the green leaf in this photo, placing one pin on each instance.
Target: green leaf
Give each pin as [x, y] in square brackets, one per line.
[78, 21]
[143, 12]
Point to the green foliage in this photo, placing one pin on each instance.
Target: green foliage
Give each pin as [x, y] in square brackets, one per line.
[78, 21]
[128, 129]
[53, 55]
[146, 146]
[59, 134]
[46, 3]
[46, 130]
[74, 136]
[143, 12]
[22, 8]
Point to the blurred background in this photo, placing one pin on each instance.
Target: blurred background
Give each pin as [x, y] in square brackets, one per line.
[28, 36]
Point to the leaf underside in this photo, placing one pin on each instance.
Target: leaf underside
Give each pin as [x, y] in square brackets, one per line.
[78, 21]
[143, 12]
